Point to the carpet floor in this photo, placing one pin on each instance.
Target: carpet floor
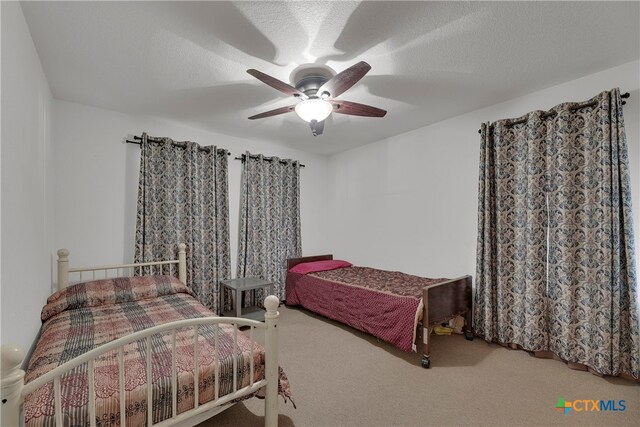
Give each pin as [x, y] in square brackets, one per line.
[342, 377]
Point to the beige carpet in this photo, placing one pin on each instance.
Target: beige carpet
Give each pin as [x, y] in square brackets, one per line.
[341, 377]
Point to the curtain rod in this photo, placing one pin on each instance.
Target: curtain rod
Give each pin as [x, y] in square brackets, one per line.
[269, 159]
[577, 107]
[175, 144]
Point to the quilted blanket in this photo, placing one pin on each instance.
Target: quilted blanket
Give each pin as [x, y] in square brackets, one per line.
[386, 304]
[85, 316]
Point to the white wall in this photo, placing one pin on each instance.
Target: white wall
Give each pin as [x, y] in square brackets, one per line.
[26, 210]
[409, 203]
[97, 181]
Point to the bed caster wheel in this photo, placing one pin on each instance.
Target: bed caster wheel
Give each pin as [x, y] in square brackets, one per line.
[426, 362]
[468, 335]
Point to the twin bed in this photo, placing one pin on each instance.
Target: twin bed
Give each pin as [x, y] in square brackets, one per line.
[138, 351]
[398, 308]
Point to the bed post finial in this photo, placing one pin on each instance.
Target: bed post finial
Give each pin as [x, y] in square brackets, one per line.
[11, 383]
[63, 268]
[182, 262]
[272, 375]
[271, 303]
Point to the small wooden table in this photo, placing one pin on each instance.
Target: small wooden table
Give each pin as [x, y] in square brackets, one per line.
[237, 286]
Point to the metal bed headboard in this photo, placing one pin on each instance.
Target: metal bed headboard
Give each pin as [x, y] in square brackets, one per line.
[157, 267]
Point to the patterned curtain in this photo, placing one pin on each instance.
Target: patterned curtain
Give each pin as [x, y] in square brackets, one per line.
[556, 268]
[269, 221]
[593, 291]
[511, 254]
[183, 197]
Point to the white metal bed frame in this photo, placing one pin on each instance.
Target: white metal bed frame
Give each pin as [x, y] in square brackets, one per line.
[13, 390]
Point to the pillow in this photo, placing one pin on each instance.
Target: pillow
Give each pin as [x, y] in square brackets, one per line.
[111, 291]
[312, 267]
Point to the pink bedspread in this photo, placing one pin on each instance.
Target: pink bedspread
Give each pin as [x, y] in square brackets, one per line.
[385, 304]
[85, 316]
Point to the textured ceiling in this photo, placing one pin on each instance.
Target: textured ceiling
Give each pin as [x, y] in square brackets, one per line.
[187, 61]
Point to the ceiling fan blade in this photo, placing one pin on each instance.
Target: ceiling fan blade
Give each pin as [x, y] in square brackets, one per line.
[316, 127]
[344, 80]
[276, 84]
[355, 109]
[281, 110]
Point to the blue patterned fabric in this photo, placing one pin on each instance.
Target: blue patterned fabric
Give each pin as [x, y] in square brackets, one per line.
[555, 266]
[269, 221]
[183, 197]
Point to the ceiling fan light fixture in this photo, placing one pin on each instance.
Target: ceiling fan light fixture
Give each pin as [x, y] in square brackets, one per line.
[313, 109]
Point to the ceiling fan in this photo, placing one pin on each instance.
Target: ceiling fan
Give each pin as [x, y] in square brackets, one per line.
[317, 92]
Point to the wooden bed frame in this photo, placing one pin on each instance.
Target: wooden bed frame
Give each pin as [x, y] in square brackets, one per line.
[442, 302]
[13, 389]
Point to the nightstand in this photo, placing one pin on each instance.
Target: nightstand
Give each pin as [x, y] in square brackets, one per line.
[237, 286]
